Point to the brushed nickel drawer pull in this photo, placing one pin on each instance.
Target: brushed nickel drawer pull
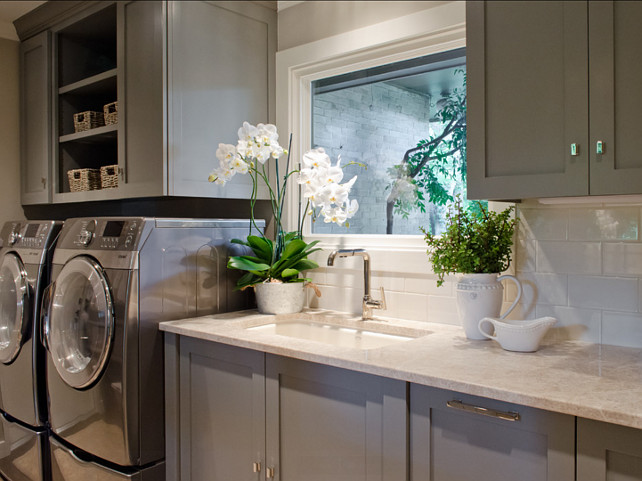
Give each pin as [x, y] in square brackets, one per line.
[505, 415]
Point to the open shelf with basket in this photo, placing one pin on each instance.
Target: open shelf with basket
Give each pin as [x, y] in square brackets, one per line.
[86, 86]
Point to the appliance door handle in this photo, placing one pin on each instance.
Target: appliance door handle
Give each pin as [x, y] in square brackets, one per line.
[45, 315]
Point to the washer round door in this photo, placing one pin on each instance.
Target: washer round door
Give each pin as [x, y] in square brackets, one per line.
[14, 313]
[81, 322]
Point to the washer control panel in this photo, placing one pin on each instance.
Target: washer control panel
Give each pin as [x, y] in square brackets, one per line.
[107, 233]
[26, 234]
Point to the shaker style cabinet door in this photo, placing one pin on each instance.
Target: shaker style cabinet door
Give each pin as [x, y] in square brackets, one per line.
[607, 452]
[326, 423]
[615, 41]
[221, 71]
[35, 122]
[460, 437]
[527, 90]
[220, 400]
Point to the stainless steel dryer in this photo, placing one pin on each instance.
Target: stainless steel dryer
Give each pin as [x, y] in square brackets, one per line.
[25, 256]
[114, 280]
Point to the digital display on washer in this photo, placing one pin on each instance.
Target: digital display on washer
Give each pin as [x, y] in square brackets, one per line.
[113, 228]
[31, 230]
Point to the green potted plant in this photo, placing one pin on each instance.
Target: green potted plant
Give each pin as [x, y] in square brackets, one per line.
[477, 243]
[274, 268]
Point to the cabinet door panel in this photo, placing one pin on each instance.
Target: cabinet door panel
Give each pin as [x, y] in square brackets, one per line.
[450, 444]
[527, 99]
[35, 131]
[221, 71]
[142, 34]
[607, 452]
[222, 411]
[616, 98]
[328, 423]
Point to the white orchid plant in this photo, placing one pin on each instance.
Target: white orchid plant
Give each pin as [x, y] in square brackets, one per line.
[283, 259]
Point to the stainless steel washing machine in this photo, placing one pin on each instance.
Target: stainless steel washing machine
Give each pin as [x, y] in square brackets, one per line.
[114, 280]
[26, 248]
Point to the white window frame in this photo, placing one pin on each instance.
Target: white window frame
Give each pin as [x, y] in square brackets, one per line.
[434, 30]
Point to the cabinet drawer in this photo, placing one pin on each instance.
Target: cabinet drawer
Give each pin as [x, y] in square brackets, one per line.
[454, 436]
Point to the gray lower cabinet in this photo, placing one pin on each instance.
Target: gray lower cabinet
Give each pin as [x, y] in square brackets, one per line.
[607, 452]
[238, 414]
[325, 423]
[35, 121]
[457, 437]
[533, 70]
[215, 411]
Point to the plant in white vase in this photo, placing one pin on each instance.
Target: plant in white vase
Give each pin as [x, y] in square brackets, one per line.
[281, 259]
[476, 243]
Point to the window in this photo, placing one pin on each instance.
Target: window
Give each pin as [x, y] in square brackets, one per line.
[401, 128]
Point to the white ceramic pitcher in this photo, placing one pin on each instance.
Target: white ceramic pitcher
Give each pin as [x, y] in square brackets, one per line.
[479, 296]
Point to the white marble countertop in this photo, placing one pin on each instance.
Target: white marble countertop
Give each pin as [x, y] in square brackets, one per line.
[587, 380]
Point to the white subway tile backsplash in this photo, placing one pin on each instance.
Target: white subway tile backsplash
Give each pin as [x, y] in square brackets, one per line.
[620, 259]
[428, 286]
[442, 310]
[573, 323]
[543, 224]
[402, 305]
[617, 223]
[622, 329]
[581, 265]
[569, 257]
[613, 293]
[524, 255]
[541, 289]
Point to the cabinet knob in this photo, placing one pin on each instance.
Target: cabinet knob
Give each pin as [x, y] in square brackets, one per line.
[575, 149]
[599, 147]
[44, 182]
[256, 467]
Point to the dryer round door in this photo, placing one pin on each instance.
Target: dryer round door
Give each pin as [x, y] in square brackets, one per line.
[81, 322]
[14, 314]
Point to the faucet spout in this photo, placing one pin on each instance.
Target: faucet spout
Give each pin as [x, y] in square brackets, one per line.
[368, 302]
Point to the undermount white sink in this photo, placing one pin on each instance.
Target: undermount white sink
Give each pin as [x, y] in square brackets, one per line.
[334, 334]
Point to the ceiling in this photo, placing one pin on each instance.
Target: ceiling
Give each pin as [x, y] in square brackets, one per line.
[9, 11]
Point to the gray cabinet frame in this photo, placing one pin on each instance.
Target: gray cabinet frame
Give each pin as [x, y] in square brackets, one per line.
[608, 452]
[35, 119]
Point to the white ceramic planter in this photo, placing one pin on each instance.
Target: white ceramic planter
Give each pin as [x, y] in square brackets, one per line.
[479, 296]
[279, 298]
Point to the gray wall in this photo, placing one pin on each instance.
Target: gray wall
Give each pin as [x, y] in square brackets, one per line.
[314, 20]
[9, 132]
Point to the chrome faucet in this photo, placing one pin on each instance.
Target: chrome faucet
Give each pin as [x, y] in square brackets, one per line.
[368, 303]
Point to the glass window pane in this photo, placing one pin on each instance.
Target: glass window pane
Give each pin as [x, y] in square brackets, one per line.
[402, 129]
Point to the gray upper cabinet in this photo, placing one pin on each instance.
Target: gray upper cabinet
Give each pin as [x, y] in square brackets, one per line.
[185, 75]
[548, 84]
[35, 72]
[455, 436]
[607, 452]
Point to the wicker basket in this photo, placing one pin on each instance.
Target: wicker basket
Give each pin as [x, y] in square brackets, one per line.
[109, 176]
[111, 113]
[81, 180]
[88, 120]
